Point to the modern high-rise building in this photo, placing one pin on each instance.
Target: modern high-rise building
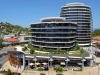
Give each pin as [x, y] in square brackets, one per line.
[81, 14]
[54, 33]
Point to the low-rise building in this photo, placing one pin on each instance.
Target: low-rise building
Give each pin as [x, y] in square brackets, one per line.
[96, 41]
[24, 38]
[8, 36]
[11, 41]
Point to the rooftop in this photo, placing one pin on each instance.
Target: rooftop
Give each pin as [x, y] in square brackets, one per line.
[75, 4]
[96, 38]
[12, 39]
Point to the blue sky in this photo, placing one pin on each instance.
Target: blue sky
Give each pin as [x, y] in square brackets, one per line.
[24, 12]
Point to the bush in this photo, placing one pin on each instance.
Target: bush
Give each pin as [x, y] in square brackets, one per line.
[32, 51]
[59, 70]
[40, 69]
[22, 44]
[30, 45]
[8, 72]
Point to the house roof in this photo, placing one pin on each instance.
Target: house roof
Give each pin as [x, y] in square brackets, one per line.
[96, 38]
[12, 39]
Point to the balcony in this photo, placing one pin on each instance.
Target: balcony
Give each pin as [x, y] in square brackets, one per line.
[53, 41]
[54, 46]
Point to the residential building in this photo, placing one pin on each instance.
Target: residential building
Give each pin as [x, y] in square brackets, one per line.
[96, 41]
[81, 14]
[11, 41]
[54, 32]
[8, 36]
[24, 38]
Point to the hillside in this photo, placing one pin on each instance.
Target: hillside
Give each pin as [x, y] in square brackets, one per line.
[6, 28]
[96, 32]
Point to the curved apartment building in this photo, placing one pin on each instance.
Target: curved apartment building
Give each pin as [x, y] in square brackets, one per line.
[81, 14]
[54, 33]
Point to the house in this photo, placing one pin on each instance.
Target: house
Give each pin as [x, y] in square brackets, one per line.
[96, 41]
[11, 41]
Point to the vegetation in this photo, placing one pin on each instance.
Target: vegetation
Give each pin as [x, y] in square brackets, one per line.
[41, 48]
[83, 53]
[30, 45]
[0, 65]
[59, 70]
[1, 43]
[76, 51]
[96, 32]
[77, 47]
[6, 28]
[32, 51]
[24, 49]
[40, 69]
[8, 72]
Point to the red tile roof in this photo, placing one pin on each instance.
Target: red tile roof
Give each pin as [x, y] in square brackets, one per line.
[12, 39]
[96, 38]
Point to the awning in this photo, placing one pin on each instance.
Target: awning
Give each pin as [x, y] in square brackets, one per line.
[37, 63]
[31, 64]
[62, 63]
[44, 63]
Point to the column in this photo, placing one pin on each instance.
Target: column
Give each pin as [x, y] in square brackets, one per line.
[91, 63]
[23, 61]
[28, 61]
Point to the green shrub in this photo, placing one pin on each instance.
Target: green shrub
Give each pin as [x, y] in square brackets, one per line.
[22, 45]
[32, 51]
[59, 70]
[8, 72]
[40, 69]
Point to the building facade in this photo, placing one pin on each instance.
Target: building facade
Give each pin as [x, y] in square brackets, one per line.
[96, 41]
[81, 14]
[24, 38]
[54, 33]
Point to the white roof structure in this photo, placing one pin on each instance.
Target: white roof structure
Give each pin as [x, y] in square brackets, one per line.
[19, 48]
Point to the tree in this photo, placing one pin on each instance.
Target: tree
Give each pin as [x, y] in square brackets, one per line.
[32, 51]
[6, 28]
[96, 32]
[59, 70]
[77, 47]
[30, 45]
[81, 50]
[24, 49]
[59, 50]
[8, 72]
[1, 43]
